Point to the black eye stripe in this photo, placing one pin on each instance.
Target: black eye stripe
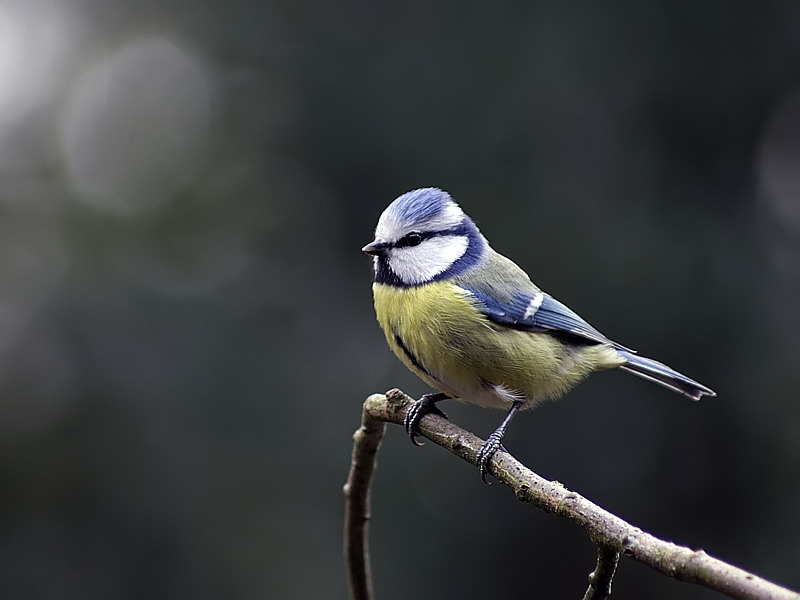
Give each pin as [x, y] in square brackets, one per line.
[405, 242]
[414, 238]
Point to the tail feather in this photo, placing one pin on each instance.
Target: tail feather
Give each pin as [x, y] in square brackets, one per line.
[664, 375]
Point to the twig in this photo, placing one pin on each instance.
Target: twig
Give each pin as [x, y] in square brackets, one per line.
[600, 578]
[357, 506]
[609, 532]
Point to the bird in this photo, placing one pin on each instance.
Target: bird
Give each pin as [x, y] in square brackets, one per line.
[472, 325]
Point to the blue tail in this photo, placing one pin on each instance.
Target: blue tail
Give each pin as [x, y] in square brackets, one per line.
[663, 375]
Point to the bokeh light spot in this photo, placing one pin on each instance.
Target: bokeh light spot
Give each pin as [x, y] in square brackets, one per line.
[136, 127]
[779, 168]
[36, 37]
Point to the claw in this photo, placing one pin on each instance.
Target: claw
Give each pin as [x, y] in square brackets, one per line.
[411, 422]
[494, 442]
[485, 454]
[424, 406]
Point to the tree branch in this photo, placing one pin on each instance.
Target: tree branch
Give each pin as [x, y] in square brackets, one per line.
[612, 535]
[357, 505]
[600, 578]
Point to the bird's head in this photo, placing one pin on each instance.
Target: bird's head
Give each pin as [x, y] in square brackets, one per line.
[423, 236]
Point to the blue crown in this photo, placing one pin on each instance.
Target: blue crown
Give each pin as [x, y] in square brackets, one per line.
[419, 206]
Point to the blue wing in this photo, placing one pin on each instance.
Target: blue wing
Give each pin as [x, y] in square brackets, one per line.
[538, 312]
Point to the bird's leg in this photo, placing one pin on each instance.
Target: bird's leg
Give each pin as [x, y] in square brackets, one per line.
[420, 408]
[493, 442]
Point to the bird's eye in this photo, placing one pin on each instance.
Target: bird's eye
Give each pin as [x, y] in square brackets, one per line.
[413, 238]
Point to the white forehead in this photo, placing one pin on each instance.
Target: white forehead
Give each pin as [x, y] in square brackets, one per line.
[425, 210]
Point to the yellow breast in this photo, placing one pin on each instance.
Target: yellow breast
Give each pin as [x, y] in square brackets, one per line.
[437, 332]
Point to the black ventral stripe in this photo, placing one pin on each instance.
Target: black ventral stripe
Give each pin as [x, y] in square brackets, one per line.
[410, 356]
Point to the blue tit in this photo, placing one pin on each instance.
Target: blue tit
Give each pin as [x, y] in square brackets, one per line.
[470, 323]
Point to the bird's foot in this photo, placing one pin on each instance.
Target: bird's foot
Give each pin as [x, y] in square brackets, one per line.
[487, 451]
[493, 442]
[424, 406]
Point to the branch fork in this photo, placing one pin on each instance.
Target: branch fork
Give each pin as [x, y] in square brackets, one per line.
[612, 535]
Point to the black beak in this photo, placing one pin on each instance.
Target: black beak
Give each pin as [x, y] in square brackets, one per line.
[375, 248]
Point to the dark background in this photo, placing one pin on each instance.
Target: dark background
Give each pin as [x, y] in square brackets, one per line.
[186, 329]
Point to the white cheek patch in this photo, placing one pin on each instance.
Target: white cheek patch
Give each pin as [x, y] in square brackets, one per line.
[418, 264]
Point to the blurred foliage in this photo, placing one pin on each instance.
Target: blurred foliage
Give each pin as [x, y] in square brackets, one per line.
[186, 330]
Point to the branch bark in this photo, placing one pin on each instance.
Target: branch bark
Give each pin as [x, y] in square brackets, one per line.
[612, 535]
[366, 441]
[600, 579]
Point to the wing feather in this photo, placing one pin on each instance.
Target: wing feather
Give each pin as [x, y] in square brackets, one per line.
[537, 312]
